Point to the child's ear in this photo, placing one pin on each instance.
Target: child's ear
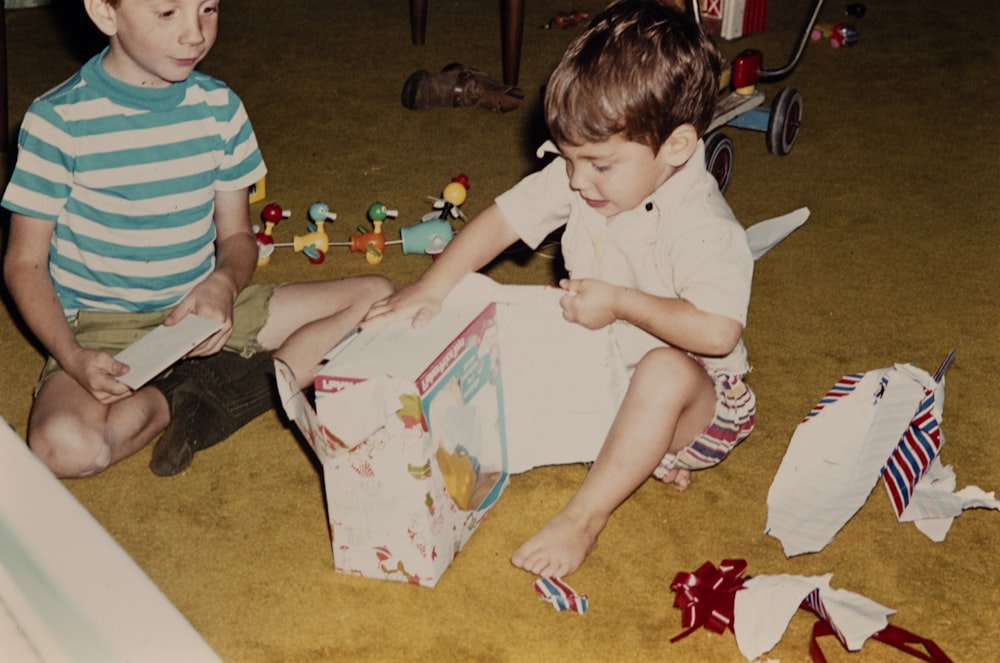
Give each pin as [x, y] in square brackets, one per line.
[103, 15]
[679, 145]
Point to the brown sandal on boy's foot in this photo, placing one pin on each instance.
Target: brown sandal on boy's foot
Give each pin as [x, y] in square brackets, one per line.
[456, 85]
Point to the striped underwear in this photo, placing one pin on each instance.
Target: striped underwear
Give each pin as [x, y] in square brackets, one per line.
[735, 412]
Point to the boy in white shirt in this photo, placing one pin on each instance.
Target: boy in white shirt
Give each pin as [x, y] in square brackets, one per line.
[652, 250]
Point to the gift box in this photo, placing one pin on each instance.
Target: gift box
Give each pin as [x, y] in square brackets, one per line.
[417, 431]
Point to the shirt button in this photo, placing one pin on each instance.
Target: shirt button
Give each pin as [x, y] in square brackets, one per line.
[649, 207]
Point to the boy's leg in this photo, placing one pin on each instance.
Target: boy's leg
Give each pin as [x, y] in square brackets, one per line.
[306, 319]
[670, 401]
[210, 399]
[77, 436]
[218, 395]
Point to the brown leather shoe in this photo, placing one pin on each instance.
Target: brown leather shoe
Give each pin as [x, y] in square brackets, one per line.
[210, 399]
[456, 86]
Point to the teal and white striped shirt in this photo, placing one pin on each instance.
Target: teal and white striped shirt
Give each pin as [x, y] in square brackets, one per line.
[129, 175]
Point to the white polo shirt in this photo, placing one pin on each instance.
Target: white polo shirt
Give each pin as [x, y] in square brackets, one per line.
[682, 241]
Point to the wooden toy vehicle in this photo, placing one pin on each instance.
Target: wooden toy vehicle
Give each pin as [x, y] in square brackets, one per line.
[744, 107]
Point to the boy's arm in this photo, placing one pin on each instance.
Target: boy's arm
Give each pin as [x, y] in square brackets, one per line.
[479, 242]
[678, 322]
[26, 273]
[235, 261]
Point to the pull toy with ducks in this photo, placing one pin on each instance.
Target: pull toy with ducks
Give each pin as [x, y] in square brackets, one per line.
[316, 243]
[429, 237]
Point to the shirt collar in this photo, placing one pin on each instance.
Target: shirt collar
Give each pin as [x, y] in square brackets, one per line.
[661, 203]
[131, 96]
[548, 147]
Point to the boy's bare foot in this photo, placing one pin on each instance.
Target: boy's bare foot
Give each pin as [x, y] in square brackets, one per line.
[560, 547]
[680, 477]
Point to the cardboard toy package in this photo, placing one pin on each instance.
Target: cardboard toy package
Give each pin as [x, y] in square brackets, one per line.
[418, 430]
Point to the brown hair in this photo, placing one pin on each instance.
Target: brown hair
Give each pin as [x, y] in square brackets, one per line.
[640, 69]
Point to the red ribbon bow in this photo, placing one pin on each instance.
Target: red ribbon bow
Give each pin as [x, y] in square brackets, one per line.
[707, 597]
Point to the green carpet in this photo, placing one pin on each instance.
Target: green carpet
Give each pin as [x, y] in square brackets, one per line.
[896, 159]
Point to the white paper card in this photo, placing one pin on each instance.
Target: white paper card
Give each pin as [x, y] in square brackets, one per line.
[162, 347]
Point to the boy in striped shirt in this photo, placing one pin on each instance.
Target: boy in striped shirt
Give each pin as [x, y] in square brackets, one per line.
[129, 208]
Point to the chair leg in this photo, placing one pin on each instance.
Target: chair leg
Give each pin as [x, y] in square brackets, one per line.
[418, 21]
[513, 28]
[512, 23]
[4, 131]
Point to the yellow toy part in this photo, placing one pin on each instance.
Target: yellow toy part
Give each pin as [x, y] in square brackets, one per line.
[258, 191]
[454, 193]
[459, 476]
[318, 239]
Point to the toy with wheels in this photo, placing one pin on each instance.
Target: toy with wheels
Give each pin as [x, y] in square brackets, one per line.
[780, 123]
[719, 152]
[429, 237]
[744, 107]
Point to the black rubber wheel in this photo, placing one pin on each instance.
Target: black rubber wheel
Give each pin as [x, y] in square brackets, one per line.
[719, 154]
[783, 124]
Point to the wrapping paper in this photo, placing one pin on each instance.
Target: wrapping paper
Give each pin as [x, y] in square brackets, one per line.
[884, 424]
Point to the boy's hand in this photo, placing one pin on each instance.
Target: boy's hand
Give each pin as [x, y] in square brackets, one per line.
[98, 373]
[589, 302]
[213, 298]
[416, 303]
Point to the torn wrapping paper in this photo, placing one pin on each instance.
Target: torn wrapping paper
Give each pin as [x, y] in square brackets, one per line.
[758, 610]
[764, 235]
[935, 503]
[765, 606]
[561, 596]
[883, 424]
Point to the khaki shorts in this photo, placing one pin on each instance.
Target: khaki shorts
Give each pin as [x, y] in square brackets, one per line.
[113, 331]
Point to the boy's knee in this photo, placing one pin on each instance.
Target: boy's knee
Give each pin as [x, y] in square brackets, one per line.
[379, 287]
[66, 450]
[663, 361]
[668, 371]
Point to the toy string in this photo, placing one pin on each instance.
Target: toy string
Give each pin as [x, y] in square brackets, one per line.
[287, 244]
